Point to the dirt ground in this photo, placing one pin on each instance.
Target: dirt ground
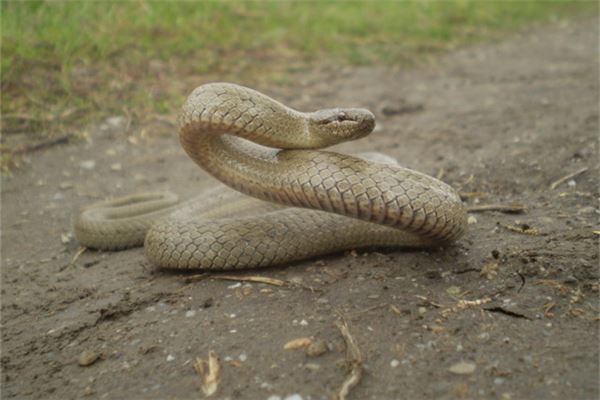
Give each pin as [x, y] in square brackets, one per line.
[509, 312]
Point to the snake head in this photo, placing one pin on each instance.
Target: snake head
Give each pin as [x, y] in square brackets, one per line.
[335, 125]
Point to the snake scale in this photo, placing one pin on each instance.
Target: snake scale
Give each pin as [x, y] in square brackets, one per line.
[311, 202]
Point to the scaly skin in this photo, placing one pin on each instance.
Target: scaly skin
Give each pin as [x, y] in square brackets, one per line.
[355, 202]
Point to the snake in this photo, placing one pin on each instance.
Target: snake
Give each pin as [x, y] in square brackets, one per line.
[284, 197]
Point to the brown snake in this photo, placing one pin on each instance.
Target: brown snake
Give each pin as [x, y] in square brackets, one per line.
[354, 202]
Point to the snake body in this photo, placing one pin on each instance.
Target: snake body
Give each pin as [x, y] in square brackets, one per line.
[311, 202]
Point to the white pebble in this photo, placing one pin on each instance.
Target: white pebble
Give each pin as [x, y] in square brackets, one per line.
[243, 357]
[190, 313]
[170, 358]
[293, 397]
[234, 286]
[394, 363]
[303, 322]
[88, 164]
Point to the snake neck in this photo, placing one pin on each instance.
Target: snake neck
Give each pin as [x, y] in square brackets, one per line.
[225, 108]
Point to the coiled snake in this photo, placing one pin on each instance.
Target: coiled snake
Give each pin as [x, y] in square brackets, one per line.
[354, 202]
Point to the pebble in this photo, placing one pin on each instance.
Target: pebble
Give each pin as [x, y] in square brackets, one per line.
[471, 220]
[312, 366]
[586, 210]
[462, 368]
[453, 290]
[66, 237]
[116, 121]
[116, 167]
[88, 357]
[170, 358]
[394, 363]
[317, 348]
[88, 164]
[243, 357]
[88, 391]
[190, 313]
[293, 397]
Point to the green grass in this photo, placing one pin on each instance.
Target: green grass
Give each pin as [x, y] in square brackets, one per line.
[66, 63]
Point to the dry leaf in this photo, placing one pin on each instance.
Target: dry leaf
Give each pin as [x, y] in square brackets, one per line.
[298, 343]
[210, 373]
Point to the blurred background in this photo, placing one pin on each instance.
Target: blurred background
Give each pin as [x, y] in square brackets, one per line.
[68, 64]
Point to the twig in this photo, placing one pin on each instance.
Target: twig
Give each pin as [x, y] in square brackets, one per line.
[525, 229]
[557, 182]
[514, 208]
[38, 146]
[462, 304]
[353, 359]
[81, 250]
[254, 278]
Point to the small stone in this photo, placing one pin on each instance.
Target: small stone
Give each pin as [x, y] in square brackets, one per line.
[116, 167]
[422, 310]
[190, 313]
[65, 185]
[394, 363]
[88, 164]
[88, 357]
[293, 397]
[433, 274]
[66, 237]
[243, 357]
[88, 391]
[586, 210]
[170, 358]
[312, 366]
[303, 322]
[453, 290]
[471, 220]
[462, 368]
[317, 348]
[208, 303]
[116, 121]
